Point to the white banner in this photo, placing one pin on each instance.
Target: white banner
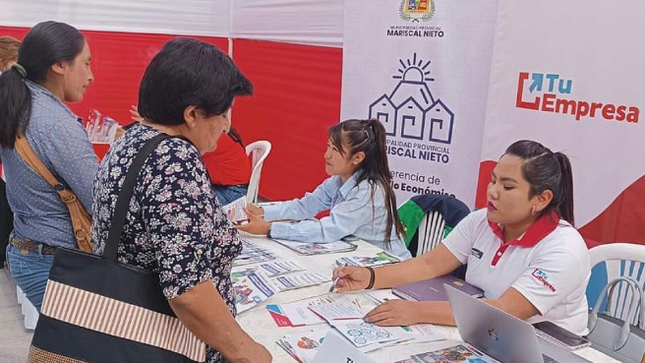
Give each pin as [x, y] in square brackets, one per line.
[422, 67]
[189, 17]
[567, 74]
[313, 22]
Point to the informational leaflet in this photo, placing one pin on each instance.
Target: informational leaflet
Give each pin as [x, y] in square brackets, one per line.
[313, 248]
[304, 346]
[277, 268]
[235, 210]
[298, 280]
[424, 333]
[297, 313]
[378, 259]
[461, 353]
[251, 288]
[252, 254]
[362, 334]
[338, 310]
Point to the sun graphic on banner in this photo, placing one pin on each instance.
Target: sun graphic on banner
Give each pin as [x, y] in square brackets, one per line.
[413, 71]
[410, 110]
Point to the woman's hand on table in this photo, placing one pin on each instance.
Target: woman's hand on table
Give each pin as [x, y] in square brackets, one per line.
[351, 278]
[256, 224]
[394, 313]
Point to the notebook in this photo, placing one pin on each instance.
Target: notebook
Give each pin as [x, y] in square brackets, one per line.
[433, 290]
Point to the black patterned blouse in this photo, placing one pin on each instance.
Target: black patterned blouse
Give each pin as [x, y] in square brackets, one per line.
[174, 225]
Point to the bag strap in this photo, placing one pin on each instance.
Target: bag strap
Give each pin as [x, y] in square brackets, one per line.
[125, 194]
[29, 156]
[633, 308]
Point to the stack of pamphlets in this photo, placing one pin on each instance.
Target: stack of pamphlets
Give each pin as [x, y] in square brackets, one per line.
[299, 279]
[460, 353]
[343, 313]
[278, 268]
[251, 288]
[313, 248]
[303, 346]
[378, 259]
[252, 254]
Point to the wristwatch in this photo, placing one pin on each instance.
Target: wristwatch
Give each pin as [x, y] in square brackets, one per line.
[269, 231]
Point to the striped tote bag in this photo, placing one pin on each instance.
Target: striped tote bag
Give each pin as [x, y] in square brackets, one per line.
[98, 310]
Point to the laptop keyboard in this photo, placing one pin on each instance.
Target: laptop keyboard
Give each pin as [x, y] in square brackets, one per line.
[548, 359]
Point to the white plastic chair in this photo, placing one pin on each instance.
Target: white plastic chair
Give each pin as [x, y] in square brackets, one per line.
[27, 309]
[258, 152]
[431, 231]
[610, 261]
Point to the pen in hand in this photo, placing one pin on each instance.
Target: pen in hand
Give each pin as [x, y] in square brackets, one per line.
[335, 281]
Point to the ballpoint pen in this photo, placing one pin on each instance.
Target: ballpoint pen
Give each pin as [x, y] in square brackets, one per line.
[335, 281]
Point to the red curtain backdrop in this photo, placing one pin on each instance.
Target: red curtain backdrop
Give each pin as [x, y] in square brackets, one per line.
[297, 97]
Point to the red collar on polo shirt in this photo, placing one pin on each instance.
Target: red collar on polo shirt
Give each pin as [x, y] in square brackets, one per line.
[536, 232]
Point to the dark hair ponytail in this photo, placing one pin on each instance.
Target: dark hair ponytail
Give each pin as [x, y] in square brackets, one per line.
[543, 169]
[368, 136]
[235, 136]
[45, 44]
[566, 206]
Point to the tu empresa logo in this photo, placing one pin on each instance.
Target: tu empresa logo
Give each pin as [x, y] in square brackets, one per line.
[419, 125]
[543, 278]
[550, 92]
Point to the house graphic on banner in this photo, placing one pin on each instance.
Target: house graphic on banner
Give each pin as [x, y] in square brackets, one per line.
[411, 111]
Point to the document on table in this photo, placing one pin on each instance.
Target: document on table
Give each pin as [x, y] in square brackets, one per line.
[298, 280]
[378, 259]
[455, 354]
[297, 313]
[252, 254]
[338, 310]
[362, 334]
[277, 268]
[251, 288]
[312, 248]
[304, 346]
[424, 333]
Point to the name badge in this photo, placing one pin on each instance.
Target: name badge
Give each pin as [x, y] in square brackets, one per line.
[336, 349]
[477, 253]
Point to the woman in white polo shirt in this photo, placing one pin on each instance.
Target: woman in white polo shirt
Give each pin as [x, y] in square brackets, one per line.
[522, 250]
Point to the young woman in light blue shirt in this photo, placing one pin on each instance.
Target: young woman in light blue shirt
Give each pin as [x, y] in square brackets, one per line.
[358, 195]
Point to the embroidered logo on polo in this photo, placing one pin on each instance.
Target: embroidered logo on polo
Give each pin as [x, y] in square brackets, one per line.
[543, 278]
[477, 253]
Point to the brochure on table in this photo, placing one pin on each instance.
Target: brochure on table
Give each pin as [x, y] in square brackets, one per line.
[252, 254]
[343, 314]
[460, 353]
[378, 259]
[313, 248]
[251, 288]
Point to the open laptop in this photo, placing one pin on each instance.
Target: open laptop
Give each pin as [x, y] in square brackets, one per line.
[501, 335]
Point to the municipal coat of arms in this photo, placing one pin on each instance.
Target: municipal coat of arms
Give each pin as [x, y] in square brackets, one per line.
[416, 10]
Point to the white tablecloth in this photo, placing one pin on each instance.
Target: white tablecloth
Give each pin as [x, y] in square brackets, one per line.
[258, 323]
